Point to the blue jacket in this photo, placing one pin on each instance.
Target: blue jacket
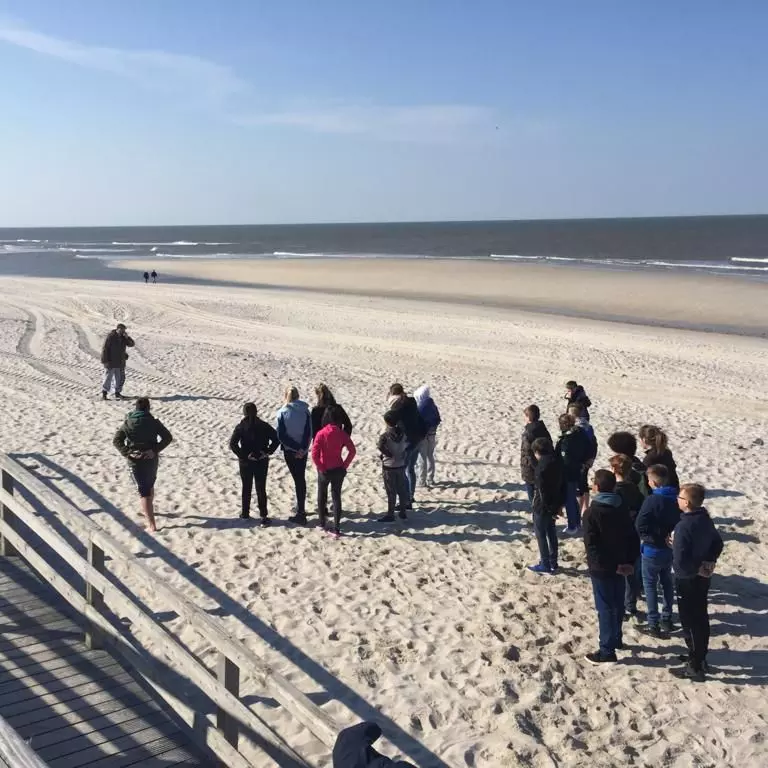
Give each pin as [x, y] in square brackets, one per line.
[696, 541]
[294, 426]
[657, 518]
[354, 749]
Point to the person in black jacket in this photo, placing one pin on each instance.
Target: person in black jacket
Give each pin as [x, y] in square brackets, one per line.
[354, 749]
[575, 395]
[534, 429]
[253, 442]
[574, 449]
[547, 503]
[325, 400]
[696, 547]
[407, 410]
[611, 547]
[114, 358]
[657, 452]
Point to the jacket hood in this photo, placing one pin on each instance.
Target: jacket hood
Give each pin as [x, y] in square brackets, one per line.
[396, 400]
[295, 407]
[608, 499]
[667, 490]
[421, 395]
[134, 417]
[354, 749]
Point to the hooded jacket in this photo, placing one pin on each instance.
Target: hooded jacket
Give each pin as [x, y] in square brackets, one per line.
[580, 397]
[532, 431]
[609, 539]
[657, 519]
[548, 498]
[575, 449]
[294, 427]
[253, 437]
[411, 422]
[427, 409]
[696, 541]
[318, 413]
[354, 749]
[328, 447]
[584, 425]
[113, 354]
[141, 431]
[393, 447]
[665, 457]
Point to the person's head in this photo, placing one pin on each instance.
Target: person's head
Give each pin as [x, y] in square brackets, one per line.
[250, 411]
[542, 447]
[570, 386]
[391, 419]
[658, 476]
[324, 396]
[142, 404]
[532, 413]
[653, 438]
[604, 481]
[121, 329]
[566, 422]
[691, 497]
[333, 415]
[621, 465]
[575, 410]
[396, 390]
[291, 394]
[623, 442]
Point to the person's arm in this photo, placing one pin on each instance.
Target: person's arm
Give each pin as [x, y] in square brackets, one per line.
[234, 443]
[346, 422]
[105, 352]
[316, 450]
[166, 438]
[129, 342]
[643, 523]
[282, 436]
[591, 530]
[716, 547]
[351, 451]
[119, 441]
[307, 438]
[382, 446]
[272, 441]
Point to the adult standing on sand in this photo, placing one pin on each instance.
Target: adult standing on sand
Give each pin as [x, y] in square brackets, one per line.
[407, 411]
[140, 439]
[326, 400]
[113, 358]
[294, 431]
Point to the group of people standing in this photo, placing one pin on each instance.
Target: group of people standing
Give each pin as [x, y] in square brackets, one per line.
[643, 532]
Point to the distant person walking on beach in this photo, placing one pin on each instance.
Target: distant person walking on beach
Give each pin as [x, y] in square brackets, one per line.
[696, 548]
[114, 357]
[574, 449]
[146, 277]
[294, 431]
[140, 439]
[533, 430]
[326, 400]
[253, 442]
[407, 411]
[393, 449]
[657, 451]
[547, 503]
[154, 276]
[430, 415]
[575, 395]
[611, 547]
[330, 445]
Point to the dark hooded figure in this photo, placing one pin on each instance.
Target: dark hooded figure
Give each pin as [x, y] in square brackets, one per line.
[354, 749]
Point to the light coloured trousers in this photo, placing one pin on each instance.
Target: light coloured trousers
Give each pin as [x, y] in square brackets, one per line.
[113, 374]
[427, 459]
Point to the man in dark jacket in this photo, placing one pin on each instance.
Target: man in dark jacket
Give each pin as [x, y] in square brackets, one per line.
[696, 547]
[574, 448]
[575, 395]
[113, 358]
[140, 439]
[547, 503]
[655, 522]
[611, 547]
[354, 749]
[534, 429]
[407, 411]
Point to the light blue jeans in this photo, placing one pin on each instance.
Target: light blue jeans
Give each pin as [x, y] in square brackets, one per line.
[657, 567]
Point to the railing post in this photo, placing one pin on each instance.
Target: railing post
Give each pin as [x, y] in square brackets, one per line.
[228, 673]
[6, 550]
[92, 595]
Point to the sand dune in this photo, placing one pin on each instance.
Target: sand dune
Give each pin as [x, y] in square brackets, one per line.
[435, 622]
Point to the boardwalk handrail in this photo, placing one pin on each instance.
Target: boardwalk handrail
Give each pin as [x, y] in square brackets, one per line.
[15, 751]
[234, 657]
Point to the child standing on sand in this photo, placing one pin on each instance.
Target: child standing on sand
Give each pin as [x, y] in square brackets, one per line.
[575, 395]
[393, 448]
[533, 430]
[657, 452]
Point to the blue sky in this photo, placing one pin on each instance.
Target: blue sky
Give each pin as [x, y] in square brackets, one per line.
[242, 111]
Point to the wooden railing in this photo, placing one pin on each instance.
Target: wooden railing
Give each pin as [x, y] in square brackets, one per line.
[236, 661]
[14, 751]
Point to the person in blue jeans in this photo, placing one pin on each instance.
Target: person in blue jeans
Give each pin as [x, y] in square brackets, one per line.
[573, 448]
[655, 522]
[611, 547]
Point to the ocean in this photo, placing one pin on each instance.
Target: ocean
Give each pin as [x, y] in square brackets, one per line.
[728, 245]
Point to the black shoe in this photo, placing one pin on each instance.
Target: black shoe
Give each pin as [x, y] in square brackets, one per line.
[687, 660]
[653, 631]
[298, 519]
[265, 522]
[601, 658]
[668, 627]
[688, 673]
[120, 396]
[245, 515]
[104, 396]
[402, 515]
[386, 519]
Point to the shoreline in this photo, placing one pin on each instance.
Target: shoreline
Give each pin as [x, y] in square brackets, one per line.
[695, 302]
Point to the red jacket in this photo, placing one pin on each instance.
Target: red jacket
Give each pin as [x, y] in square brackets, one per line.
[327, 449]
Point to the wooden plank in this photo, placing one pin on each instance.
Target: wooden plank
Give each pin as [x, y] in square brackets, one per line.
[54, 635]
[55, 670]
[56, 680]
[6, 513]
[120, 751]
[22, 656]
[94, 597]
[15, 751]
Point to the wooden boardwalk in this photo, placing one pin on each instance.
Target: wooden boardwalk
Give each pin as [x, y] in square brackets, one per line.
[77, 708]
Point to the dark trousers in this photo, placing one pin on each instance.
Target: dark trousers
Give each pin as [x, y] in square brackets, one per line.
[572, 512]
[298, 469]
[397, 489]
[609, 602]
[412, 456]
[692, 605]
[633, 586]
[335, 479]
[546, 537]
[530, 489]
[254, 473]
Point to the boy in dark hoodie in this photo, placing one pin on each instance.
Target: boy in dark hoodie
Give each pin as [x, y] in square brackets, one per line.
[696, 547]
[575, 395]
[140, 439]
[574, 449]
[412, 424]
[393, 449]
[547, 503]
[655, 522]
[612, 549]
[354, 749]
[534, 429]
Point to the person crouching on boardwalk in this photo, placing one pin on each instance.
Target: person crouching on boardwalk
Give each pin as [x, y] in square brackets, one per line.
[332, 465]
[393, 448]
[253, 442]
[140, 439]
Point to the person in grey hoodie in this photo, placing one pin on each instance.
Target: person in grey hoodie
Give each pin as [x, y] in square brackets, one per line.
[393, 448]
[294, 431]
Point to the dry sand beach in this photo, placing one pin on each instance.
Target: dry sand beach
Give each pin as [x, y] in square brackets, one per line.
[436, 623]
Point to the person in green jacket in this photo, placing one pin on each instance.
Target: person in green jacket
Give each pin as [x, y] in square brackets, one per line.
[140, 439]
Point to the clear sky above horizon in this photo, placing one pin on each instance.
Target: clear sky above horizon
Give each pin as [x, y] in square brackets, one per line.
[243, 111]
